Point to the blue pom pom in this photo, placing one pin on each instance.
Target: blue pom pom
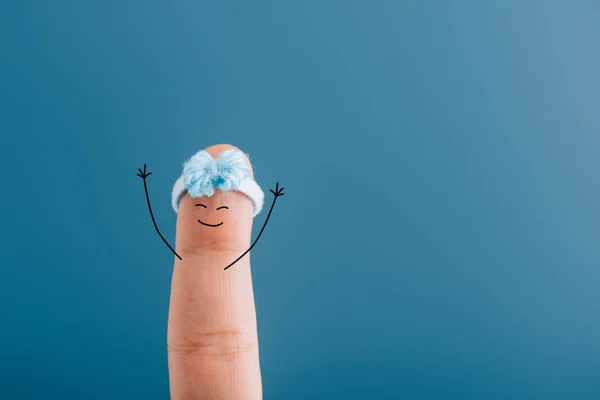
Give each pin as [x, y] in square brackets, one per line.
[203, 174]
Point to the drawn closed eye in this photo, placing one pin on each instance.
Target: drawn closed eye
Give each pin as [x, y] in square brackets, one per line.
[223, 207]
[200, 205]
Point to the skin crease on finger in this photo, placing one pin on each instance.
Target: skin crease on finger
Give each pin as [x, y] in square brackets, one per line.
[212, 334]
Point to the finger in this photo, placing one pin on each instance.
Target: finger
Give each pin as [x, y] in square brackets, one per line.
[212, 338]
[148, 174]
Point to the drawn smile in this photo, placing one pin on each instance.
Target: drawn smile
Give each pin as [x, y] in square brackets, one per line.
[212, 226]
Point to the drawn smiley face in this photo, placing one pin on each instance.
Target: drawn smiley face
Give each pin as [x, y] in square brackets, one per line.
[206, 223]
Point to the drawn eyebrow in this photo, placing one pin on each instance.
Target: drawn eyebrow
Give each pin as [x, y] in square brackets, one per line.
[223, 207]
[201, 205]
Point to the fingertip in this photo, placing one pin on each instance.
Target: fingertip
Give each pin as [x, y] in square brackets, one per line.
[236, 220]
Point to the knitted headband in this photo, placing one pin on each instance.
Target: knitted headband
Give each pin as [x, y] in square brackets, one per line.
[203, 174]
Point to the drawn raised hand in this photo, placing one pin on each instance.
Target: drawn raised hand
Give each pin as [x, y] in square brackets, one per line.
[143, 173]
[278, 192]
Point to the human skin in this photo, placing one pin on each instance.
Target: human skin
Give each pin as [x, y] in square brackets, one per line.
[212, 335]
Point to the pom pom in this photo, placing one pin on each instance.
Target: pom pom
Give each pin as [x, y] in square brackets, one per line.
[203, 174]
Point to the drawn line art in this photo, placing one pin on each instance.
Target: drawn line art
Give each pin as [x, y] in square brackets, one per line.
[251, 192]
[145, 175]
[277, 193]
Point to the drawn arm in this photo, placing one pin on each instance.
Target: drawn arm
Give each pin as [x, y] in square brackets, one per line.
[277, 193]
[144, 175]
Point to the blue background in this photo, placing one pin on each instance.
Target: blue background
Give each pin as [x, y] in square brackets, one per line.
[439, 233]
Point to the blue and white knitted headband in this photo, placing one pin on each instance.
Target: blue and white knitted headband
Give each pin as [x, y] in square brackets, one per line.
[203, 174]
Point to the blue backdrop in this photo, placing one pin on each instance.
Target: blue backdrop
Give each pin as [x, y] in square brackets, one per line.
[439, 233]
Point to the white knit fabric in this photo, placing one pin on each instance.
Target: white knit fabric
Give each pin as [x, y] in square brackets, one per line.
[248, 187]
